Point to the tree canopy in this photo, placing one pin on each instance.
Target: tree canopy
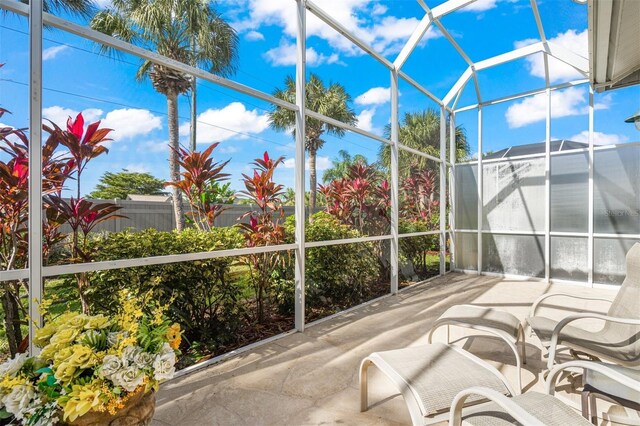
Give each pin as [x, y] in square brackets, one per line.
[120, 184]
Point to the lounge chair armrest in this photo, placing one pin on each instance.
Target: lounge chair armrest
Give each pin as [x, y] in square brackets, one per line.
[507, 404]
[571, 318]
[542, 298]
[597, 367]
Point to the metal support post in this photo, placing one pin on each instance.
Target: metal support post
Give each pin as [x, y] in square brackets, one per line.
[480, 194]
[300, 166]
[35, 169]
[443, 190]
[395, 208]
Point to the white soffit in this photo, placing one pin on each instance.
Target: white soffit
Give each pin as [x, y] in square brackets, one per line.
[614, 43]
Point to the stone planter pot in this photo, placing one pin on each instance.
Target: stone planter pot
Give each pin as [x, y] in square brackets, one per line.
[138, 411]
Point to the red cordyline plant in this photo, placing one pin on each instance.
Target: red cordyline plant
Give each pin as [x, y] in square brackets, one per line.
[57, 168]
[81, 215]
[200, 184]
[264, 227]
[361, 199]
[418, 190]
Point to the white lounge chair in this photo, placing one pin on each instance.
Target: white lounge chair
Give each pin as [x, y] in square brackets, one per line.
[428, 377]
[532, 408]
[619, 339]
[493, 321]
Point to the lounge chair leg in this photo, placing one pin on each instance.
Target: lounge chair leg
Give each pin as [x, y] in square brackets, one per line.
[523, 342]
[552, 356]
[584, 401]
[364, 403]
[593, 408]
[448, 334]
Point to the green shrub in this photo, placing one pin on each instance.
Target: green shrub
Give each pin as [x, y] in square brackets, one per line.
[202, 298]
[414, 257]
[338, 276]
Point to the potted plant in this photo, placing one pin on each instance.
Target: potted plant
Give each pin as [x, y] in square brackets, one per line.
[93, 369]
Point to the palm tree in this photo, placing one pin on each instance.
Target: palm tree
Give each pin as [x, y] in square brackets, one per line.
[341, 164]
[421, 131]
[80, 8]
[170, 27]
[332, 101]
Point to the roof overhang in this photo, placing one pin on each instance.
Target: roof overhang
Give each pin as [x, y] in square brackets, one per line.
[614, 43]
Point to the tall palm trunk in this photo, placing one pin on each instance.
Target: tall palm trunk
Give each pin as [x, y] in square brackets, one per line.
[312, 182]
[174, 167]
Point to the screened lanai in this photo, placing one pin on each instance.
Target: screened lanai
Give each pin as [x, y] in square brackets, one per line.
[460, 140]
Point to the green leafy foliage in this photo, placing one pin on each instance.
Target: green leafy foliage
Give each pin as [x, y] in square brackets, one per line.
[120, 184]
[337, 277]
[201, 297]
[414, 251]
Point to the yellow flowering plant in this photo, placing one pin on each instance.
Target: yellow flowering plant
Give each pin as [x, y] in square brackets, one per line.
[90, 363]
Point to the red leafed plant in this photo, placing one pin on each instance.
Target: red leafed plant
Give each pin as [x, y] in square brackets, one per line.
[361, 199]
[200, 184]
[418, 190]
[79, 214]
[57, 169]
[264, 227]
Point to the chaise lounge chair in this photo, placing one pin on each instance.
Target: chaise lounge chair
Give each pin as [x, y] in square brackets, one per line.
[619, 339]
[532, 408]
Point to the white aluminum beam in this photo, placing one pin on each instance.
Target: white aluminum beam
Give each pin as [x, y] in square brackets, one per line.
[346, 126]
[313, 8]
[452, 187]
[359, 240]
[443, 189]
[480, 206]
[52, 271]
[457, 87]
[510, 56]
[536, 15]
[547, 189]
[418, 234]
[590, 248]
[449, 6]
[417, 85]
[299, 170]
[98, 37]
[35, 171]
[420, 153]
[394, 253]
[523, 95]
[578, 62]
[413, 41]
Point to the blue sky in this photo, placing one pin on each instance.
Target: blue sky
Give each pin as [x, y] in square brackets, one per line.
[77, 78]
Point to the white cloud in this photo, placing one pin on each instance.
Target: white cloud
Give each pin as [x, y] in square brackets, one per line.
[483, 5]
[215, 125]
[59, 115]
[130, 122]
[600, 138]
[564, 103]
[361, 17]
[52, 52]
[572, 40]
[125, 122]
[285, 54]
[228, 149]
[137, 168]
[153, 146]
[365, 119]
[374, 96]
[254, 36]
[322, 163]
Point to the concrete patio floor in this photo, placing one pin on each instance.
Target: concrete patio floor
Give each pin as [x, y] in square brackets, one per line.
[311, 378]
